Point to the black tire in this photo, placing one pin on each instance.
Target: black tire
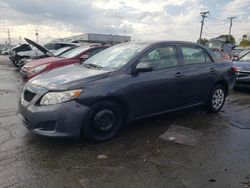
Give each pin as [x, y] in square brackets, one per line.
[16, 63]
[216, 99]
[103, 121]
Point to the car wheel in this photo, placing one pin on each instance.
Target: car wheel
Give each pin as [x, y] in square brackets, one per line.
[103, 121]
[216, 99]
[16, 63]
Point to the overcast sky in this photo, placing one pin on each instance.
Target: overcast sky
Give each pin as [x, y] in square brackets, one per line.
[141, 19]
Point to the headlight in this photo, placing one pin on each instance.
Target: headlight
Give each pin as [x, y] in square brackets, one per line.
[59, 97]
[38, 68]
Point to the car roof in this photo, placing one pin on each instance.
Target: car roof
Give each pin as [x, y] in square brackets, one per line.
[164, 42]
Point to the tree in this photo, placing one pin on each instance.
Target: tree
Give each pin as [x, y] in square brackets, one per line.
[244, 43]
[203, 41]
[228, 37]
[244, 36]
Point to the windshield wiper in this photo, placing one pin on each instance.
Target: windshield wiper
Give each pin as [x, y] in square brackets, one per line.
[92, 66]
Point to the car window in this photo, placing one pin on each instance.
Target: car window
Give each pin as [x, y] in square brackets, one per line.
[58, 46]
[161, 57]
[246, 57]
[194, 55]
[74, 52]
[95, 51]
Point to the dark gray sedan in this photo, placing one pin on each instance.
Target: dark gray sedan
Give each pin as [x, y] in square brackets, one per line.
[126, 82]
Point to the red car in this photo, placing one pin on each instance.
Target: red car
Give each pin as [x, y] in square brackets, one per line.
[73, 56]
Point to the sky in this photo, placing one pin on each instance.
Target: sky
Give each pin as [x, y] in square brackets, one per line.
[140, 19]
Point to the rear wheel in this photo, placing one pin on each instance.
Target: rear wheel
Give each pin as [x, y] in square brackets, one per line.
[103, 122]
[216, 99]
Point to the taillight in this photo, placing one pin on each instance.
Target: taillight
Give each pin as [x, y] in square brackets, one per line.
[234, 69]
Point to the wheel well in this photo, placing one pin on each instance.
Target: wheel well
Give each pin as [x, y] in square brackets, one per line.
[120, 102]
[223, 83]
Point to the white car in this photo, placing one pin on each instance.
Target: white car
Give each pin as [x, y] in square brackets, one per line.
[5, 51]
[38, 50]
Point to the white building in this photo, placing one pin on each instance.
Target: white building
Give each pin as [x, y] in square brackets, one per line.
[96, 38]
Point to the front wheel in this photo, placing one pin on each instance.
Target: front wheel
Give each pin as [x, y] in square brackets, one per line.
[103, 122]
[216, 99]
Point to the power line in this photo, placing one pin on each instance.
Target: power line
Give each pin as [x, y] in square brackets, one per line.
[203, 15]
[215, 22]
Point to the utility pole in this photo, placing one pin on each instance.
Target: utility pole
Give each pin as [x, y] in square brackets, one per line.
[231, 23]
[9, 39]
[203, 15]
[37, 34]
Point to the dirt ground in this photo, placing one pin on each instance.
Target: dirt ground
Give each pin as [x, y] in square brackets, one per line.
[137, 158]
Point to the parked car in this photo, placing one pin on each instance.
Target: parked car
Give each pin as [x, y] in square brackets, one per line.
[35, 51]
[55, 54]
[5, 51]
[220, 53]
[16, 49]
[123, 83]
[73, 56]
[243, 72]
[236, 51]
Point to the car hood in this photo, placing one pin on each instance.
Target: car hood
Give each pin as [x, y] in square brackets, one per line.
[68, 77]
[42, 61]
[242, 65]
[39, 47]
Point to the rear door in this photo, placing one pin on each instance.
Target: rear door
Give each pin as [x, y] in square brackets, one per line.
[199, 74]
[156, 91]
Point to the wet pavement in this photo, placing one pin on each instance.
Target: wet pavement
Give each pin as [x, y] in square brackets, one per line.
[137, 158]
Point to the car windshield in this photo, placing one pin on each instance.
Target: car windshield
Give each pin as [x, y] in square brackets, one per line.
[246, 57]
[61, 51]
[116, 56]
[243, 53]
[73, 52]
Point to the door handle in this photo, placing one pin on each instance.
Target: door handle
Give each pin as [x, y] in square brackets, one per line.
[178, 74]
[212, 69]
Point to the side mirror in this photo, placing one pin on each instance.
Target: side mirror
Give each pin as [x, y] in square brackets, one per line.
[84, 57]
[143, 67]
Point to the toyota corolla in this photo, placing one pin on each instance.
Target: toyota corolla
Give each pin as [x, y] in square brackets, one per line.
[126, 82]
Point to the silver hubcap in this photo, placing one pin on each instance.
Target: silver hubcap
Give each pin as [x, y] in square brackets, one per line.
[218, 99]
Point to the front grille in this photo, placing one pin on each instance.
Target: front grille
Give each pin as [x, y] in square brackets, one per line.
[28, 95]
[243, 74]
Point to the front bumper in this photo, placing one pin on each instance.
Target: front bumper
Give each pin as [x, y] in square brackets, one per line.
[243, 82]
[60, 120]
[23, 74]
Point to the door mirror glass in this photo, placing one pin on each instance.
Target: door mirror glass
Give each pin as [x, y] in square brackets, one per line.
[143, 67]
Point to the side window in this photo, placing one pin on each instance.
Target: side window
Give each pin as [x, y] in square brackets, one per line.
[194, 55]
[161, 57]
